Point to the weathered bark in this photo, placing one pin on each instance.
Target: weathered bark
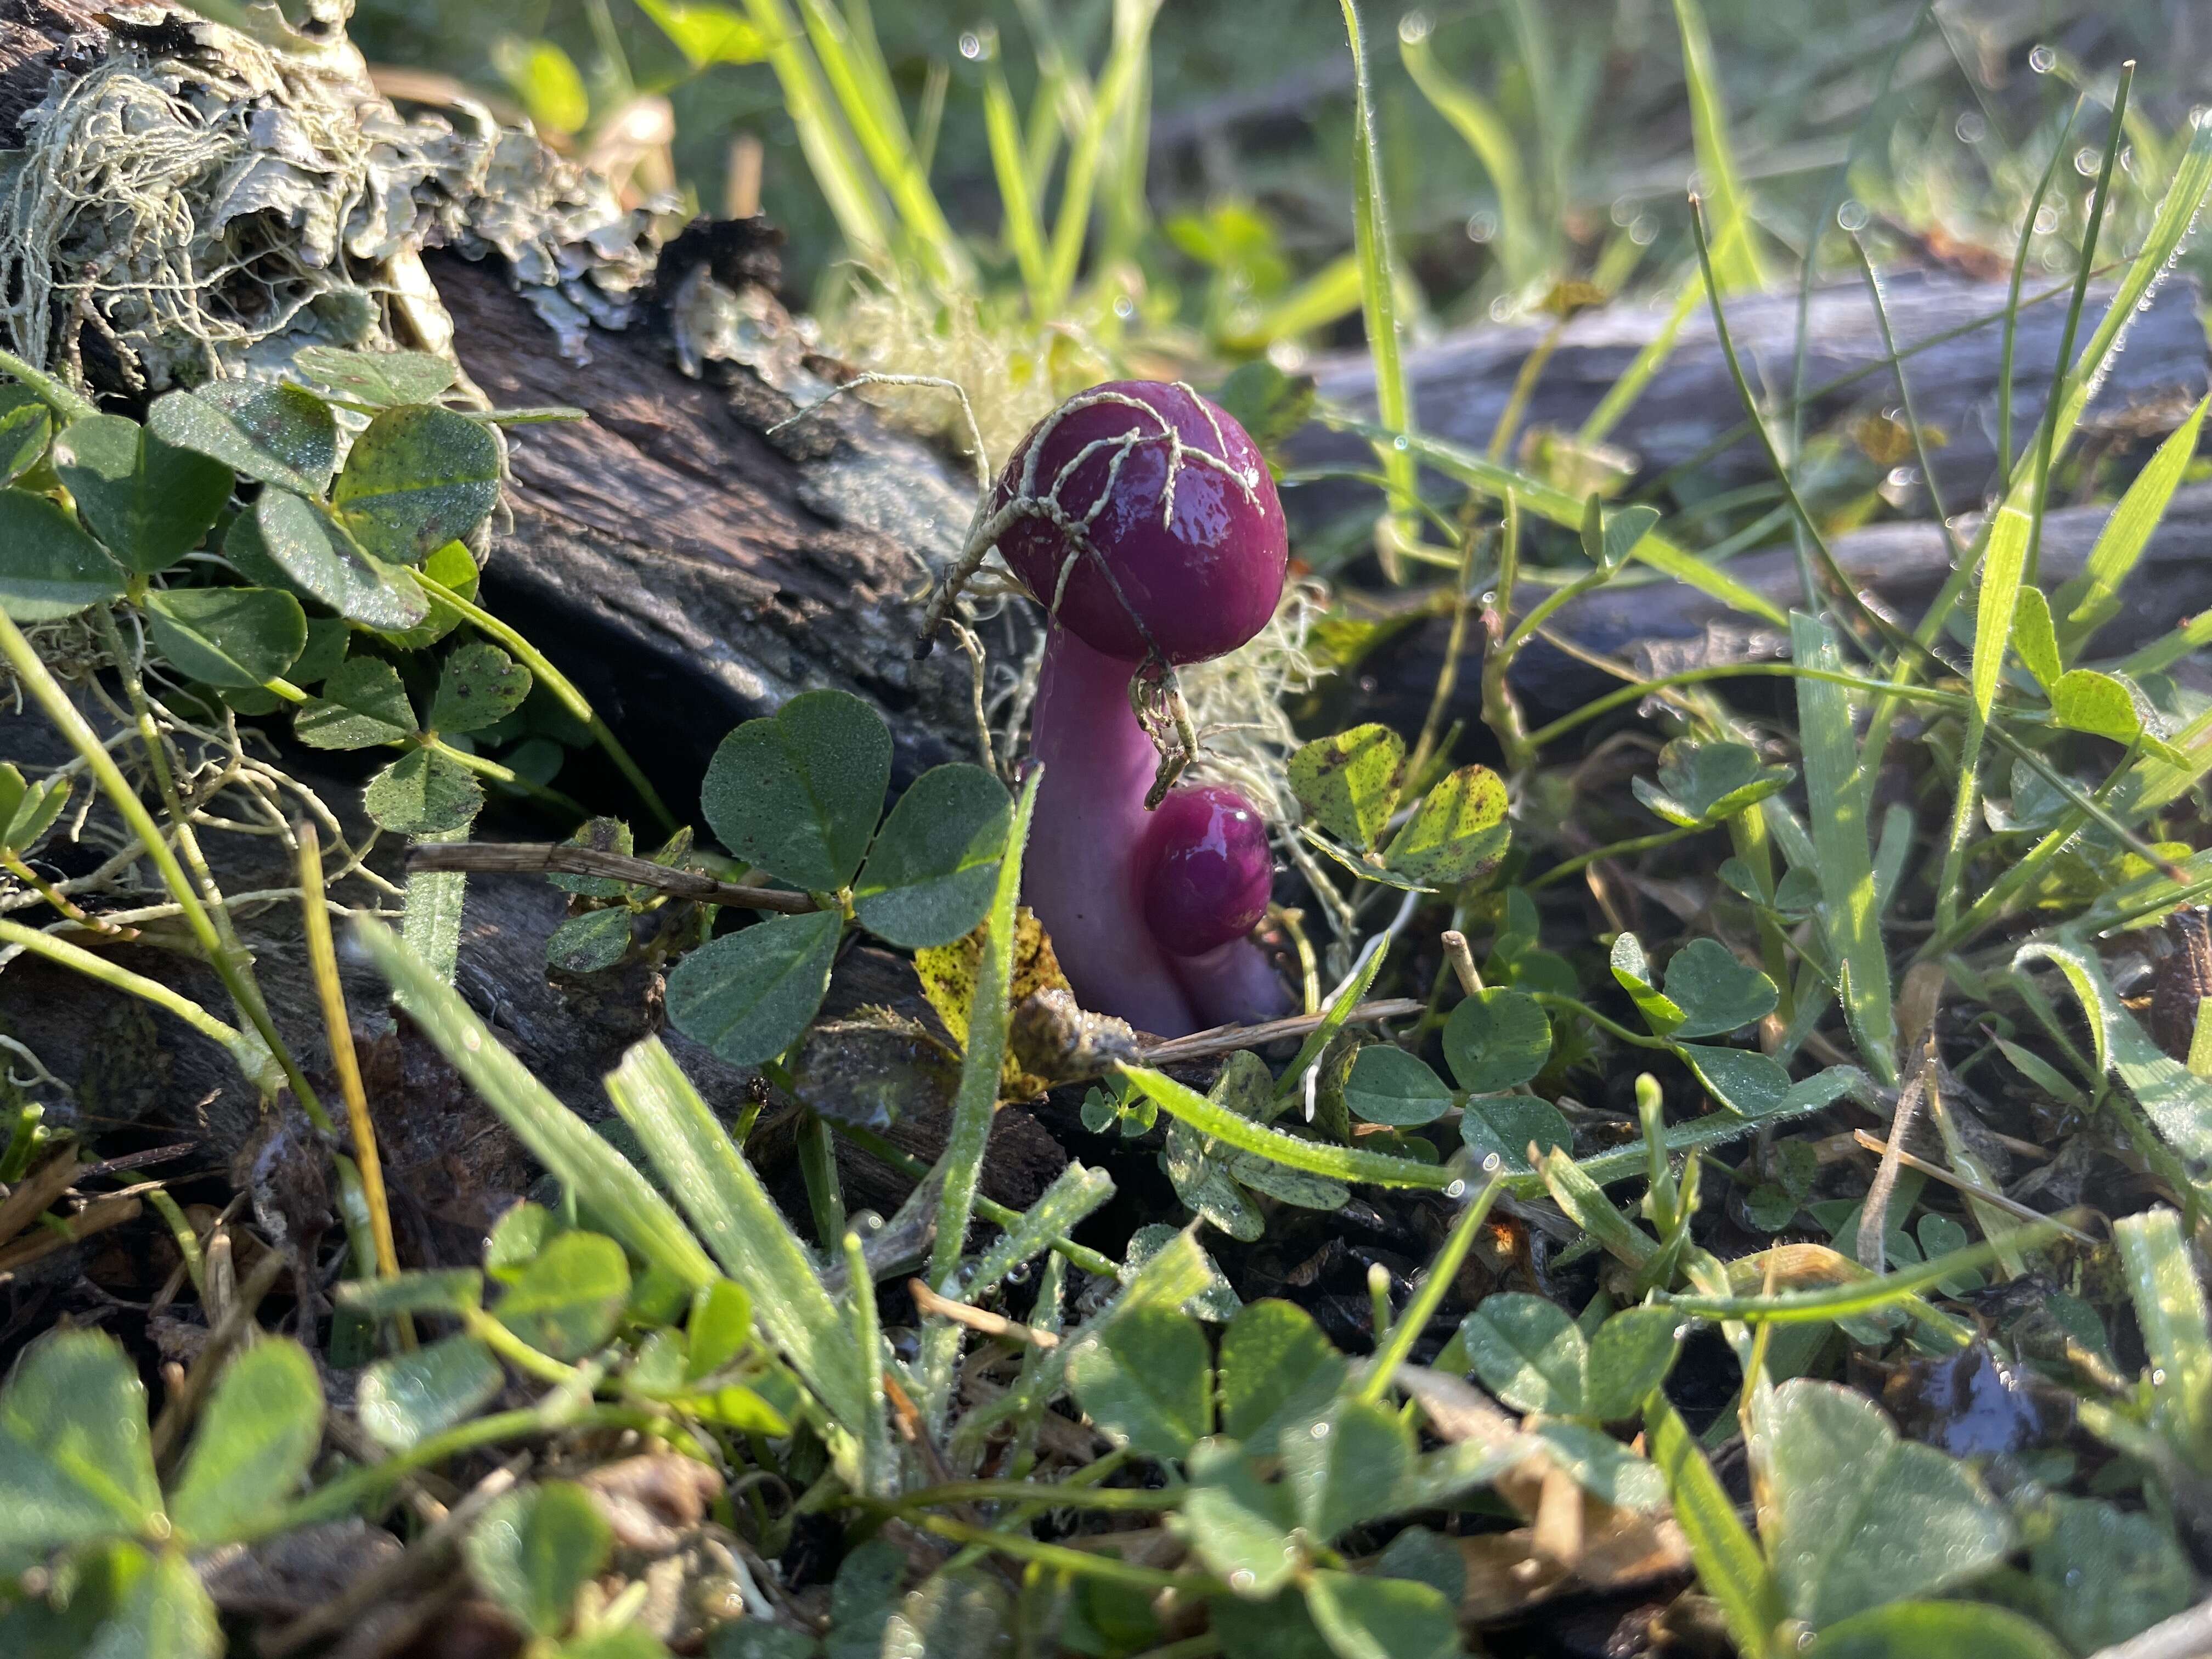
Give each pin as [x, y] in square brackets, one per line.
[1461, 382]
[690, 573]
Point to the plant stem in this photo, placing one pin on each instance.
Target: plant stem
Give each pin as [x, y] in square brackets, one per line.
[1618, 849]
[1442, 1274]
[1501, 711]
[817, 1165]
[93, 966]
[323, 964]
[490, 769]
[885, 1152]
[36, 677]
[564, 691]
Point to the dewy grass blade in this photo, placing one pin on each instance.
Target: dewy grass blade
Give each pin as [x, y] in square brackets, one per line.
[2178, 1105]
[1394, 401]
[2085, 603]
[1837, 791]
[1856, 1297]
[1075, 1193]
[1314, 1156]
[430, 917]
[2170, 1312]
[978, 1091]
[577, 1155]
[973, 1103]
[1565, 508]
[2002, 567]
[2176, 215]
[2098, 202]
[1730, 1565]
[734, 1214]
[1735, 258]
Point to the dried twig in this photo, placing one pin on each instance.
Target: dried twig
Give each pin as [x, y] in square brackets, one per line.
[547, 858]
[977, 1319]
[1225, 1039]
[1989, 1195]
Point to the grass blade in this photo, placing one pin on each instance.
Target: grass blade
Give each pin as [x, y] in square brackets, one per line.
[2084, 605]
[1314, 1156]
[1023, 228]
[623, 1201]
[838, 173]
[978, 1093]
[1856, 1297]
[2177, 1104]
[430, 917]
[1837, 791]
[1728, 1562]
[1476, 119]
[1080, 184]
[2001, 569]
[1394, 401]
[2176, 215]
[1442, 1274]
[973, 1104]
[1620, 397]
[1735, 260]
[848, 56]
[1562, 508]
[734, 1214]
[2170, 1311]
[1058, 1210]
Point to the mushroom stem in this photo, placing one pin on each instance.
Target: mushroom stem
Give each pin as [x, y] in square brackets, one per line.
[1232, 984]
[1081, 873]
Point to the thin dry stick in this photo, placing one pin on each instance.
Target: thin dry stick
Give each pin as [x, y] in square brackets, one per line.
[1989, 1195]
[323, 962]
[1462, 960]
[1227, 1038]
[1874, 1215]
[543, 858]
[383, 1586]
[177, 1411]
[977, 1319]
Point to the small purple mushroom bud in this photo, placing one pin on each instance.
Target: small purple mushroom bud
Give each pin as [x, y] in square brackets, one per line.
[1208, 870]
[1145, 522]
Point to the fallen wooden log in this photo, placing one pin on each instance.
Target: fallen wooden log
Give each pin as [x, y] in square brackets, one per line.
[1948, 331]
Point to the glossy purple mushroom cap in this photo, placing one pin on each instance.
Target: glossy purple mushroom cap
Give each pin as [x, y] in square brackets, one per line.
[1153, 489]
[1206, 869]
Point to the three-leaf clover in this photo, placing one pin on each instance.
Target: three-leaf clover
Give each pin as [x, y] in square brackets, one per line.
[1352, 785]
[797, 794]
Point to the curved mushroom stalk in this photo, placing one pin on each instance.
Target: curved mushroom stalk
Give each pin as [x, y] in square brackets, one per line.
[1146, 521]
[1083, 872]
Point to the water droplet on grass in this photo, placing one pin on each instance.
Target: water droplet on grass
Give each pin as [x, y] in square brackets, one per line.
[2043, 59]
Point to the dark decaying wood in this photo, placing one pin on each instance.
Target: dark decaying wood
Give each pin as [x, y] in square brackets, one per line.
[690, 573]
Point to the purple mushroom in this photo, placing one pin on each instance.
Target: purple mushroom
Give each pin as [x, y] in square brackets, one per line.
[1144, 520]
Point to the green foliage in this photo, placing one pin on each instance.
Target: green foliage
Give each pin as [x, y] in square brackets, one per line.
[1858, 1517]
[534, 1549]
[797, 794]
[1352, 785]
